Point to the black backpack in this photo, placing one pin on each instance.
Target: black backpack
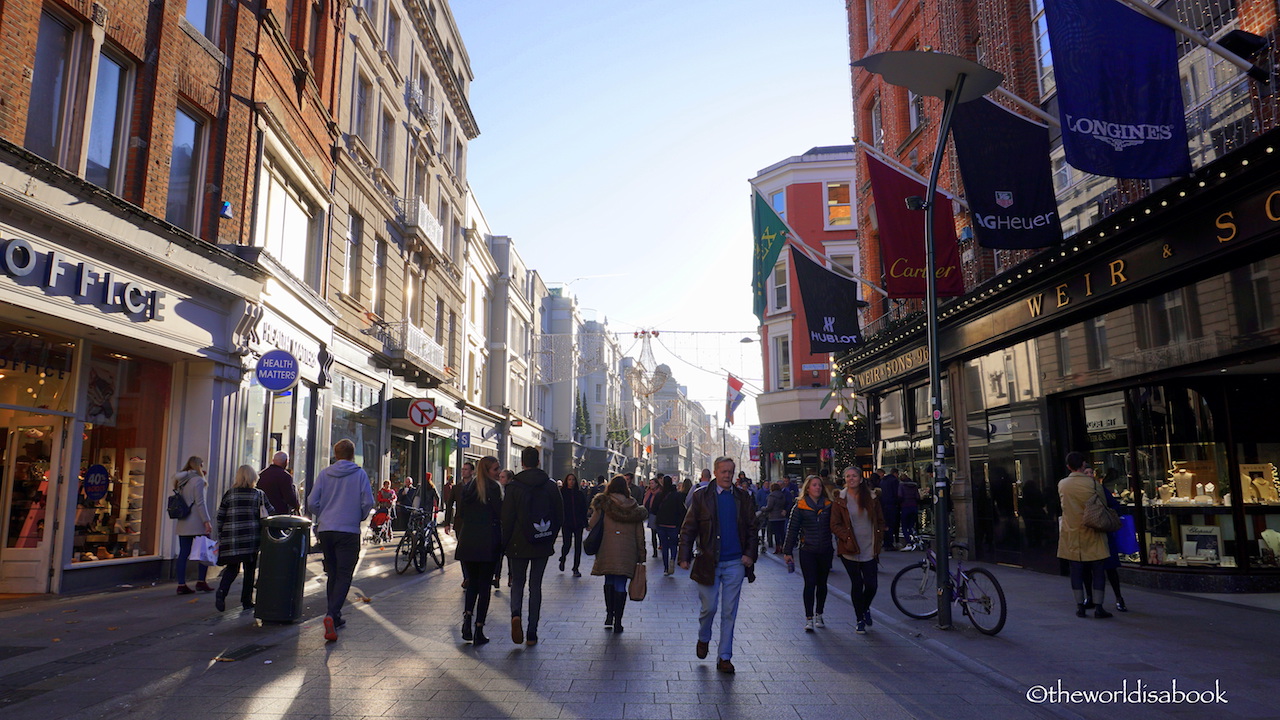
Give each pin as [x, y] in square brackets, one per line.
[541, 521]
[178, 507]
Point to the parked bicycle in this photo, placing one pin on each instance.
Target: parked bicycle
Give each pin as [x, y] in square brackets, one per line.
[421, 540]
[976, 590]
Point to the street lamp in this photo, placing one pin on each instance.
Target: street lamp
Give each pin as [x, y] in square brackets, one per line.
[955, 80]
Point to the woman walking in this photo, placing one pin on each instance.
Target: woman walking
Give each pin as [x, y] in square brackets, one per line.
[671, 512]
[622, 547]
[652, 495]
[858, 524]
[190, 483]
[479, 533]
[810, 525]
[776, 509]
[240, 535]
[575, 519]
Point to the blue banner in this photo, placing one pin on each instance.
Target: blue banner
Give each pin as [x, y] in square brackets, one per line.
[1004, 162]
[1119, 96]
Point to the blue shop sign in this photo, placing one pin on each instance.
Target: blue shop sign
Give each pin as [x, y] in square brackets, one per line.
[96, 481]
[278, 371]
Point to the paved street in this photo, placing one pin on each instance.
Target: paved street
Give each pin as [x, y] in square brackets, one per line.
[145, 653]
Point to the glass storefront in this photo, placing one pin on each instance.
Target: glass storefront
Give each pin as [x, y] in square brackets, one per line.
[357, 416]
[280, 422]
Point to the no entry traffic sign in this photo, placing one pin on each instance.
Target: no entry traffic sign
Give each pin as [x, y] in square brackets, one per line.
[422, 412]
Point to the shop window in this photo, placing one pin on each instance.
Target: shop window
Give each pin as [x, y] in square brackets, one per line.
[1254, 301]
[123, 482]
[35, 369]
[104, 162]
[839, 205]
[289, 223]
[356, 417]
[53, 89]
[186, 171]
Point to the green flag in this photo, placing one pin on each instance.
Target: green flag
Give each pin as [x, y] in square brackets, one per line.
[644, 431]
[771, 234]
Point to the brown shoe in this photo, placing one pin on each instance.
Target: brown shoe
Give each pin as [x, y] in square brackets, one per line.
[702, 650]
[724, 666]
[203, 586]
[517, 632]
[184, 590]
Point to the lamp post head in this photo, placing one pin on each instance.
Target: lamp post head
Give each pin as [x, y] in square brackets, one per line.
[932, 74]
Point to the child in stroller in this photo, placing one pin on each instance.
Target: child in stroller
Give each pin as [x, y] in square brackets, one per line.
[384, 511]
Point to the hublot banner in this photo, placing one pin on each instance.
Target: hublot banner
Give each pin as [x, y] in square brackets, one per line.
[831, 306]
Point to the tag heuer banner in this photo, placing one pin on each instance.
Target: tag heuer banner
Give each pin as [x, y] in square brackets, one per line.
[1119, 96]
[1004, 162]
[830, 306]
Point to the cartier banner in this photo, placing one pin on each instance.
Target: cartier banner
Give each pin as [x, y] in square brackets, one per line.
[902, 247]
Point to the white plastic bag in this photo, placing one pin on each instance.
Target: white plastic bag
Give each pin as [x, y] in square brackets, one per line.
[204, 550]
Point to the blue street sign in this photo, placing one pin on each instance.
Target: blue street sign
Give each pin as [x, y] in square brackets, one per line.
[464, 439]
[277, 371]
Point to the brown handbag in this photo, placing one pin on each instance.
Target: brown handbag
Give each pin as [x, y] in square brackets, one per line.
[639, 584]
[1097, 516]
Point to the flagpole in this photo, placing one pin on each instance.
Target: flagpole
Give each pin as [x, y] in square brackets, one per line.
[1199, 38]
[907, 171]
[1027, 105]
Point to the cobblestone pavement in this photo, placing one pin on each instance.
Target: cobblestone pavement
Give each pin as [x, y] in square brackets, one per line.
[145, 653]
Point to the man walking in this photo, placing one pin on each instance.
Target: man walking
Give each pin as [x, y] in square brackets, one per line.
[722, 519]
[703, 481]
[340, 500]
[277, 484]
[532, 515]
[889, 502]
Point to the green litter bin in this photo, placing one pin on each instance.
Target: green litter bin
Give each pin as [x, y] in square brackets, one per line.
[282, 568]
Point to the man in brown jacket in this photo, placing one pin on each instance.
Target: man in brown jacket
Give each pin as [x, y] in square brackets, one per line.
[1081, 546]
[722, 519]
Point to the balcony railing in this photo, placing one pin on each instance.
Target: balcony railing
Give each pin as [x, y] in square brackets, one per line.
[420, 222]
[405, 340]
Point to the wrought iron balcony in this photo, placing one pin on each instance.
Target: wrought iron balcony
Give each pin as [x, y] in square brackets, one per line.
[422, 225]
[414, 355]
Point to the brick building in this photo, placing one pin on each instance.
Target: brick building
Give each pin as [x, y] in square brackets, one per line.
[1144, 340]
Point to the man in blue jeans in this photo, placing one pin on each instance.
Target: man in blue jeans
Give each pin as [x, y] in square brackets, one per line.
[722, 519]
[340, 501]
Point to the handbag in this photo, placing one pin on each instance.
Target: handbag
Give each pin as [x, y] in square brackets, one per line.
[204, 550]
[1097, 516]
[591, 545]
[639, 584]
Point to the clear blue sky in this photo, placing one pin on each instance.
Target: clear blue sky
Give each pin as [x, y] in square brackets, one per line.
[617, 141]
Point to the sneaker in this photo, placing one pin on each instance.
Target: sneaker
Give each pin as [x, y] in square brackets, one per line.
[220, 602]
[577, 574]
[866, 618]
[817, 621]
[862, 628]
[517, 631]
[330, 630]
[808, 624]
[1121, 606]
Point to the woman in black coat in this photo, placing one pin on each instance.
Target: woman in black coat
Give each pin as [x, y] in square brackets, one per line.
[670, 511]
[575, 519]
[478, 526]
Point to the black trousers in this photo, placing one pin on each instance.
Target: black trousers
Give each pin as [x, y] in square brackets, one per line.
[864, 583]
[816, 568]
[476, 596]
[232, 569]
[341, 552]
[574, 538]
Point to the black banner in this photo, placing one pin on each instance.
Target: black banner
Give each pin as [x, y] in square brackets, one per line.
[1004, 162]
[830, 306]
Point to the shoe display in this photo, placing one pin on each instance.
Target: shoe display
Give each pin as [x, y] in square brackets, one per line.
[330, 630]
[808, 625]
[817, 621]
[702, 649]
[517, 632]
[724, 666]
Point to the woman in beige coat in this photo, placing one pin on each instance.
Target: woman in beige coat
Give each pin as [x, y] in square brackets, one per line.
[1079, 545]
[621, 548]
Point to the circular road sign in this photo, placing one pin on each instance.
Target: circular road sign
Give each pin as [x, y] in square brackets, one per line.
[422, 412]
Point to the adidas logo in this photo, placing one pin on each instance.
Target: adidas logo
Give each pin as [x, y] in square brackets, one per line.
[543, 527]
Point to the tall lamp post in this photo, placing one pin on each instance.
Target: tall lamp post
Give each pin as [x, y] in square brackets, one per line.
[955, 80]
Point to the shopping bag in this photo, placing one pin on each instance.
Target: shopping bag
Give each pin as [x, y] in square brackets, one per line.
[204, 550]
[1127, 536]
[639, 584]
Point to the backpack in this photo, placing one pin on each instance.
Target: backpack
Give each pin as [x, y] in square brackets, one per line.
[178, 507]
[541, 521]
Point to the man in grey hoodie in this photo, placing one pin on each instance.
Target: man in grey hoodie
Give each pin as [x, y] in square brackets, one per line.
[340, 501]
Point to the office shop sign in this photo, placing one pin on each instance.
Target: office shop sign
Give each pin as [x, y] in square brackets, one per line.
[56, 273]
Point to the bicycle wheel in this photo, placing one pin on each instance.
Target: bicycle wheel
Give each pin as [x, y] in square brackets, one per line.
[404, 553]
[915, 591]
[435, 547]
[983, 601]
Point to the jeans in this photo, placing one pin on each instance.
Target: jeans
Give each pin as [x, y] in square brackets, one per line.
[1096, 573]
[533, 568]
[909, 516]
[815, 566]
[862, 576]
[184, 553]
[341, 552]
[727, 587]
[574, 538]
[669, 540]
[230, 572]
[476, 596]
[617, 582]
[778, 529]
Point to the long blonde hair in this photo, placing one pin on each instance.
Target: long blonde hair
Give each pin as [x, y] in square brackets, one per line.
[194, 464]
[246, 477]
[481, 478]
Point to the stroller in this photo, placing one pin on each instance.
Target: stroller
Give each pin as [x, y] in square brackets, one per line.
[380, 527]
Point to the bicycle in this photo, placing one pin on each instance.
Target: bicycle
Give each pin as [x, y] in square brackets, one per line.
[976, 590]
[421, 540]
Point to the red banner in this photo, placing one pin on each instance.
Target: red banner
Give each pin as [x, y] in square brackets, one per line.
[902, 248]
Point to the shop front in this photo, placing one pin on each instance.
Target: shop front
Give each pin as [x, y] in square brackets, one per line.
[1151, 343]
[117, 362]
